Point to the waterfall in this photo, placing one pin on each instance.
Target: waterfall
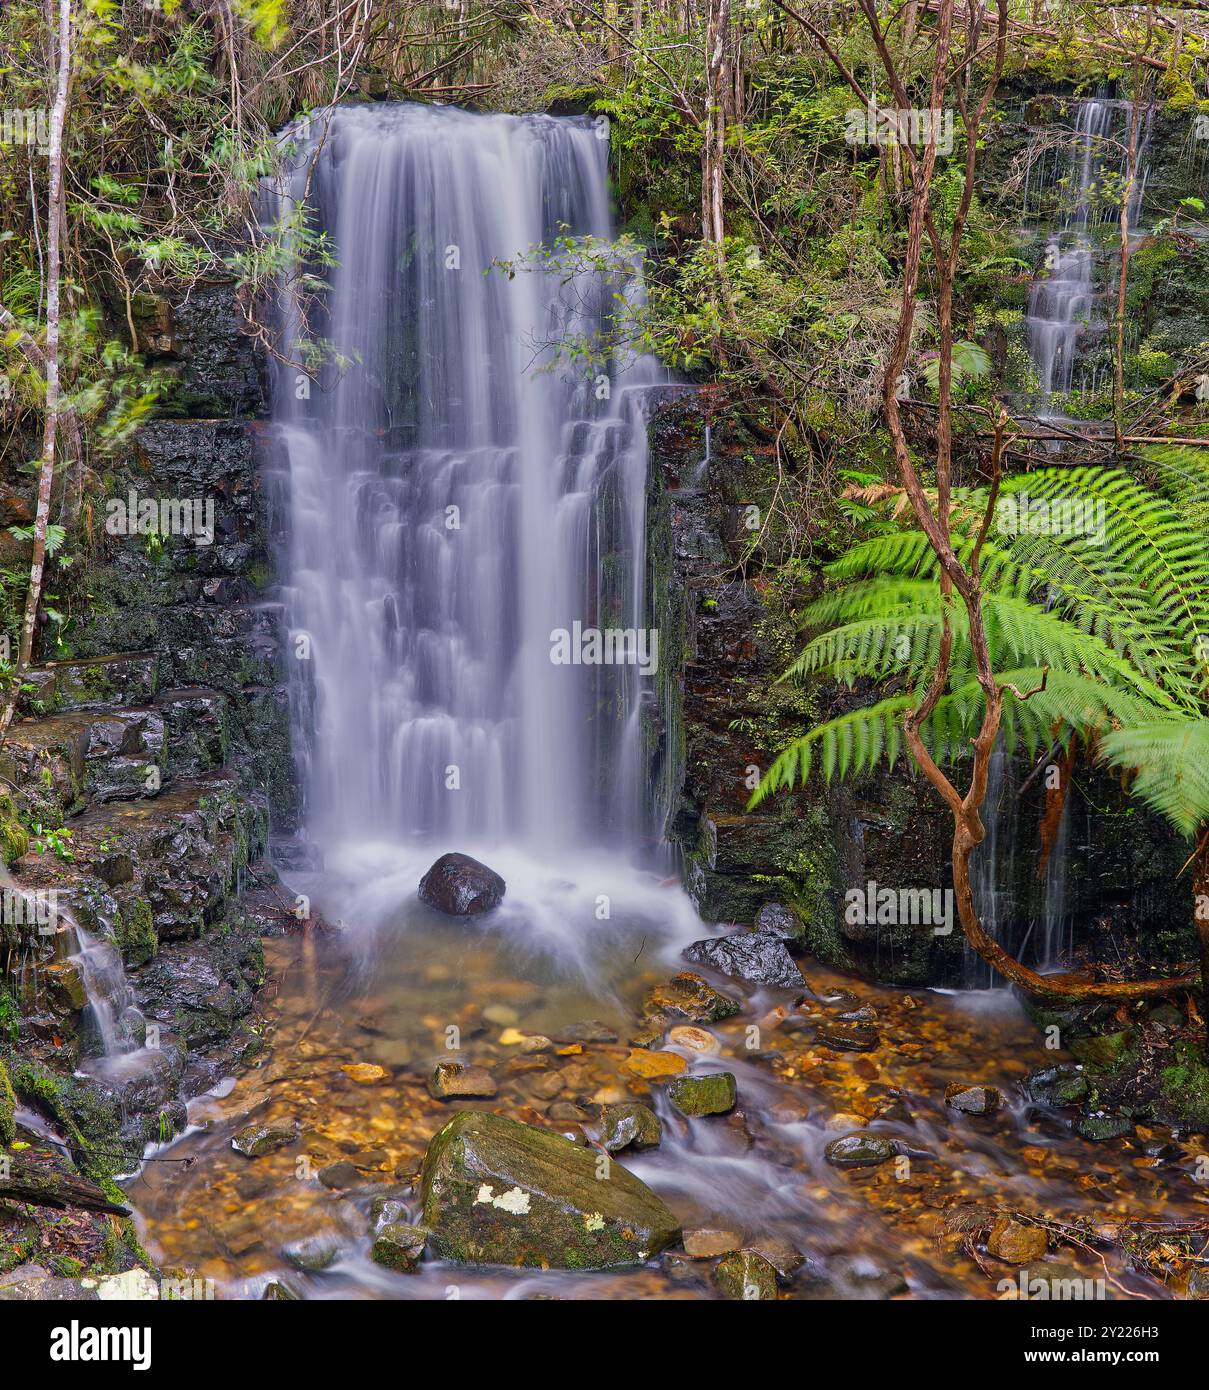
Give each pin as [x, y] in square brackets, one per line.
[460, 490]
[1062, 310]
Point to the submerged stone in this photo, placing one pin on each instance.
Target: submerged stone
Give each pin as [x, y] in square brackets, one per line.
[748, 1276]
[703, 1095]
[1102, 1126]
[973, 1100]
[860, 1150]
[312, 1253]
[629, 1125]
[254, 1141]
[461, 887]
[450, 1079]
[848, 1037]
[760, 958]
[1015, 1243]
[496, 1191]
[708, 1244]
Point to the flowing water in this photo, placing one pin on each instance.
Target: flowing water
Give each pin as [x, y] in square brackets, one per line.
[1067, 312]
[457, 493]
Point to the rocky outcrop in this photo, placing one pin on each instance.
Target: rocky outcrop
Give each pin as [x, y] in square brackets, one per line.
[145, 767]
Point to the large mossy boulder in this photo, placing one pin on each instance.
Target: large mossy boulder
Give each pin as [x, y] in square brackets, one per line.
[496, 1191]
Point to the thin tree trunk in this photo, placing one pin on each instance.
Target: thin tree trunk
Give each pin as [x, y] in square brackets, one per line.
[713, 128]
[1200, 903]
[54, 235]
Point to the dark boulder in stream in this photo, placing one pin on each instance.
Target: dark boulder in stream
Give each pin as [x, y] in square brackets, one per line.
[760, 958]
[461, 887]
[496, 1191]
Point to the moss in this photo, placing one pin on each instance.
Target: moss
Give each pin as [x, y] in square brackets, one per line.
[1184, 1086]
[8, 1106]
[14, 838]
[134, 931]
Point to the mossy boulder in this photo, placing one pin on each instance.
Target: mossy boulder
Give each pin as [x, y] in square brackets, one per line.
[398, 1246]
[496, 1191]
[747, 1276]
[703, 1095]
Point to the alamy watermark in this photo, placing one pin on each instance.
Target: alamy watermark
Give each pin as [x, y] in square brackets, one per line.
[30, 126]
[886, 127]
[1021, 515]
[609, 646]
[31, 908]
[875, 905]
[133, 515]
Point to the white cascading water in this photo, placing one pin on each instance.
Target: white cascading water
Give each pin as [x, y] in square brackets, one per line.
[1063, 300]
[462, 490]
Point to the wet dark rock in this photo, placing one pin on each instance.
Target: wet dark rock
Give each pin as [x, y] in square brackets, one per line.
[201, 989]
[496, 1191]
[629, 1125]
[293, 852]
[703, 1095]
[588, 1031]
[852, 1278]
[461, 887]
[340, 1176]
[748, 1276]
[775, 919]
[688, 996]
[760, 958]
[860, 1150]
[848, 1037]
[973, 1100]
[254, 1141]
[1063, 1084]
[398, 1247]
[450, 1079]
[312, 1253]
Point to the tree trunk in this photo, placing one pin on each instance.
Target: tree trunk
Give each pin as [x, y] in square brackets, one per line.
[54, 235]
[1200, 914]
[713, 127]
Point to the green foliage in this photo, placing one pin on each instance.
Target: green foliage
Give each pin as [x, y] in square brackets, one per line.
[1102, 624]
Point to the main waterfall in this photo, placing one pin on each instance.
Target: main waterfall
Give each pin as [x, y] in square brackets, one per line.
[457, 491]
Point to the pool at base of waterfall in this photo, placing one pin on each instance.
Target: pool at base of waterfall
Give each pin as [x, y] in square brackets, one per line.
[357, 1018]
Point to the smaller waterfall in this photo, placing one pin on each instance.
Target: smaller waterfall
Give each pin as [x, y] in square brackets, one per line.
[1064, 309]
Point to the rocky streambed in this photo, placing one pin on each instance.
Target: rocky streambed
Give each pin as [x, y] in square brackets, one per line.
[443, 1111]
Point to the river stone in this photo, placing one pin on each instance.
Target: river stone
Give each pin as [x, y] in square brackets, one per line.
[694, 1040]
[1016, 1244]
[312, 1253]
[450, 1079]
[1063, 1084]
[848, 1037]
[629, 1125]
[703, 1095]
[688, 995]
[254, 1141]
[747, 1276]
[784, 1256]
[776, 919]
[398, 1247]
[340, 1176]
[496, 1191]
[973, 1100]
[708, 1244]
[760, 958]
[461, 887]
[860, 1150]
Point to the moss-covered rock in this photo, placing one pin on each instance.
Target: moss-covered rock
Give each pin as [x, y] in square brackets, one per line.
[496, 1191]
[703, 1095]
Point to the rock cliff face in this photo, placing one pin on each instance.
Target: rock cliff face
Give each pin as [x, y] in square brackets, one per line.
[151, 763]
[727, 635]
